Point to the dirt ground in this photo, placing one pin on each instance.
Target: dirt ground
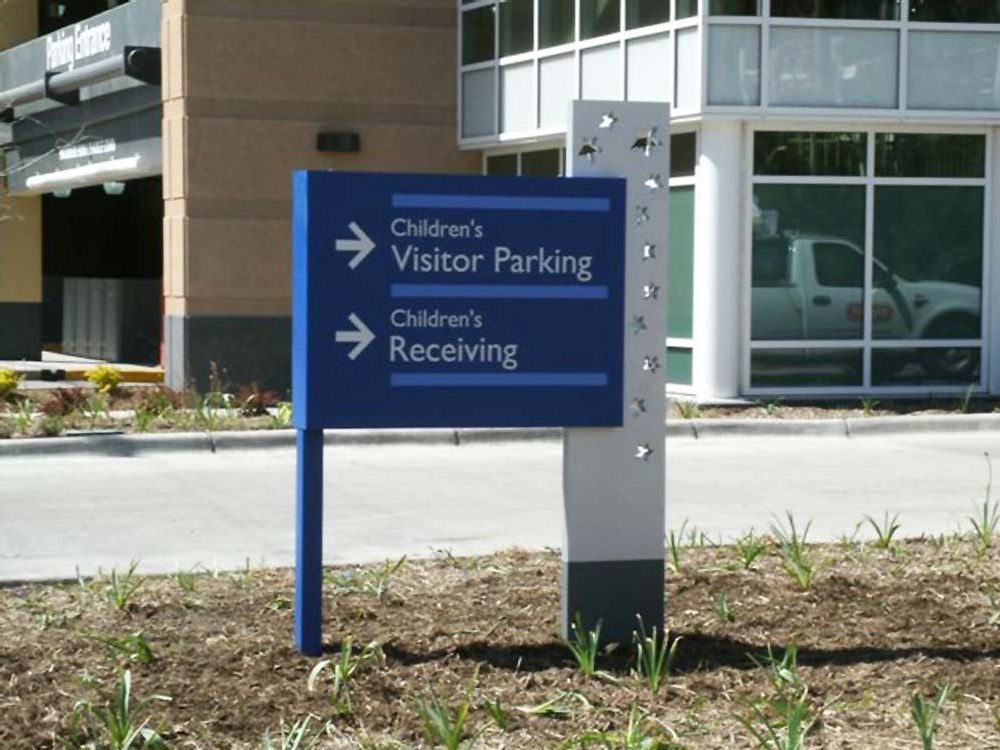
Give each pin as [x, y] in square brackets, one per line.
[876, 625]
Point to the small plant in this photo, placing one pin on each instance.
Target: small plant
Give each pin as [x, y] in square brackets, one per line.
[688, 409]
[121, 723]
[498, 714]
[51, 426]
[966, 400]
[296, 737]
[279, 604]
[119, 590]
[675, 541]
[134, 647]
[105, 379]
[868, 406]
[282, 416]
[771, 407]
[723, 609]
[926, 716]
[984, 525]
[9, 381]
[584, 645]
[654, 656]
[379, 580]
[637, 736]
[24, 416]
[205, 415]
[793, 552]
[885, 531]
[143, 418]
[342, 670]
[254, 401]
[782, 673]
[158, 400]
[446, 727]
[749, 547]
[62, 402]
[795, 721]
[94, 407]
[560, 707]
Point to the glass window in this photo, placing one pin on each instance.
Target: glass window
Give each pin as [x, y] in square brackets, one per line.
[680, 286]
[517, 26]
[679, 366]
[955, 11]
[734, 65]
[798, 368]
[930, 155]
[477, 35]
[928, 263]
[683, 154]
[540, 163]
[687, 8]
[599, 17]
[953, 70]
[839, 265]
[556, 22]
[734, 8]
[944, 366]
[646, 12]
[802, 154]
[503, 165]
[787, 301]
[878, 10]
[479, 103]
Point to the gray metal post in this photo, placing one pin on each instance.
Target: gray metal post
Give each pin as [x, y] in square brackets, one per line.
[614, 479]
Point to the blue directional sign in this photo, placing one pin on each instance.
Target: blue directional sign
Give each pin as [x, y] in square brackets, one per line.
[425, 301]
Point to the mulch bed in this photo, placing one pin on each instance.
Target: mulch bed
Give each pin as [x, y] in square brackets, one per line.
[876, 625]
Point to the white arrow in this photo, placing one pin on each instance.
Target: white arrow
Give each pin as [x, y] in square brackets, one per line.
[362, 336]
[361, 247]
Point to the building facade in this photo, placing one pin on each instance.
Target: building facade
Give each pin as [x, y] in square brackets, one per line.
[833, 169]
[833, 174]
[156, 213]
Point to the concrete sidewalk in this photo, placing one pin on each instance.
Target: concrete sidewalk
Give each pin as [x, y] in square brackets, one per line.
[176, 510]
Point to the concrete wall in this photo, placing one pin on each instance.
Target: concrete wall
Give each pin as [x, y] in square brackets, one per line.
[20, 226]
[248, 85]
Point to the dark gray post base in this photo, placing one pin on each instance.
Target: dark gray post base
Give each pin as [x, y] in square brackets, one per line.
[614, 592]
[20, 330]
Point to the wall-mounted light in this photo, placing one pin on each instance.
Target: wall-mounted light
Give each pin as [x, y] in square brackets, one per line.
[115, 187]
[344, 142]
[62, 193]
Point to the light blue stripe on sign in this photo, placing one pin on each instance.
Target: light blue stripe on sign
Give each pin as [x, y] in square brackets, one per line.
[497, 291]
[497, 379]
[501, 202]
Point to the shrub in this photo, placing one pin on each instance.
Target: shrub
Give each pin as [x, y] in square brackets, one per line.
[158, 401]
[106, 379]
[63, 402]
[51, 426]
[254, 401]
[9, 380]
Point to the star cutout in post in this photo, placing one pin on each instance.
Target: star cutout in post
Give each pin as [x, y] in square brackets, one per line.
[643, 452]
[651, 291]
[608, 121]
[641, 215]
[651, 364]
[590, 149]
[638, 406]
[653, 182]
[647, 142]
[648, 251]
[638, 324]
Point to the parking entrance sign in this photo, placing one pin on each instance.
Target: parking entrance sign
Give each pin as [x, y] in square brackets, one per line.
[433, 301]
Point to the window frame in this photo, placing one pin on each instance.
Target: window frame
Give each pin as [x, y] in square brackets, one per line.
[868, 343]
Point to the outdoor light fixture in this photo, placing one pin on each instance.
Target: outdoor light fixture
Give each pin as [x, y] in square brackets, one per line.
[114, 187]
[343, 141]
[62, 193]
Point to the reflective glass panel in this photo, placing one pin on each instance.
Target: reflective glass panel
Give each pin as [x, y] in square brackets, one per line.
[928, 263]
[734, 8]
[801, 368]
[687, 8]
[477, 35]
[924, 155]
[540, 163]
[953, 70]
[802, 154]
[680, 286]
[955, 11]
[807, 267]
[599, 17]
[679, 366]
[646, 12]
[683, 154]
[734, 65]
[517, 26]
[879, 10]
[556, 22]
[504, 165]
[945, 366]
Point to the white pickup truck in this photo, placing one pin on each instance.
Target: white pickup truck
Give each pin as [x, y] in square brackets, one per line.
[810, 287]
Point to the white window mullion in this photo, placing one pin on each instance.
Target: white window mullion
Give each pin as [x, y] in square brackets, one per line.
[867, 296]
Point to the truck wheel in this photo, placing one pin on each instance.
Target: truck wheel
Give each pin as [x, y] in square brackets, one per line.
[955, 364]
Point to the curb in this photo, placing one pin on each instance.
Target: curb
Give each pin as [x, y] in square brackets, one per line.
[135, 445]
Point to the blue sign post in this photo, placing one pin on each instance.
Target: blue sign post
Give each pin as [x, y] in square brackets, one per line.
[431, 301]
